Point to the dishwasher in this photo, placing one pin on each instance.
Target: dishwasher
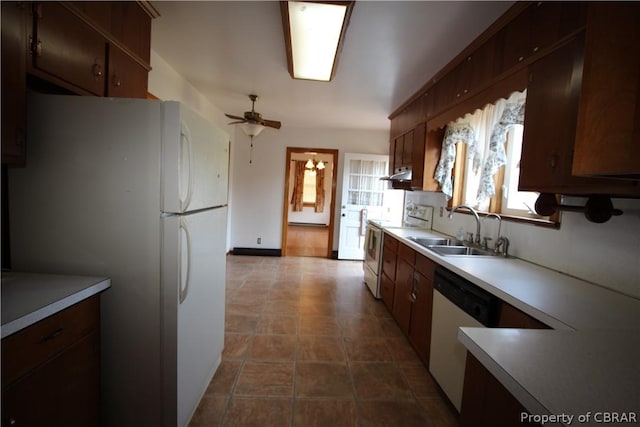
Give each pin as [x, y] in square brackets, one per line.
[456, 303]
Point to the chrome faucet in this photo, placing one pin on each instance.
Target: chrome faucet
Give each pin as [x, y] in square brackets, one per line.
[473, 211]
[499, 218]
[502, 243]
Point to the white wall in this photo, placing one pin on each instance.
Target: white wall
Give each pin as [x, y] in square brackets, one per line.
[258, 188]
[607, 254]
[256, 191]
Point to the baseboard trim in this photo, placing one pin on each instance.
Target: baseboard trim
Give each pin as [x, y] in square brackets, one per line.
[334, 254]
[257, 252]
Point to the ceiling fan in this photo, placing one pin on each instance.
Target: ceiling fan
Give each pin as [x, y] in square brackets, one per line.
[253, 118]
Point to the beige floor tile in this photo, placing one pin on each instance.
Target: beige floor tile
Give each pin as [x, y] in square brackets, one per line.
[273, 347]
[224, 378]
[277, 324]
[210, 411]
[265, 379]
[323, 380]
[379, 381]
[367, 349]
[406, 413]
[325, 413]
[236, 345]
[245, 412]
[318, 325]
[240, 323]
[320, 348]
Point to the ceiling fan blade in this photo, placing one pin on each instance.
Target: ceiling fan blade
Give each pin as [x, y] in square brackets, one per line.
[238, 122]
[234, 117]
[272, 124]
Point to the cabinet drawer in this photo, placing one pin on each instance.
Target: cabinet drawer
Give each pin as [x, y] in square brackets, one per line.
[38, 343]
[407, 254]
[389, 263]
[425, 266]
[390, 243]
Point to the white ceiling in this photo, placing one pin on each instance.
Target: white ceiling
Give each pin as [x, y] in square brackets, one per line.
[229, 49]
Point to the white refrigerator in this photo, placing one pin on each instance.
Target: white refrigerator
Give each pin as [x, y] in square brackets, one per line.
[135, 190]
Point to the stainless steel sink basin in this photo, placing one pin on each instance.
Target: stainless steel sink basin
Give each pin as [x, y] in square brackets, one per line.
[459, 250]
[439, 241]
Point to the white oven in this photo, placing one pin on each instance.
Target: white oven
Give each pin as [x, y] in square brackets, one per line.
[416, 216]
[372, 257]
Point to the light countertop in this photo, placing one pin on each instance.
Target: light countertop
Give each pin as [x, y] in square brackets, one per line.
[30, 297]
[588, 362]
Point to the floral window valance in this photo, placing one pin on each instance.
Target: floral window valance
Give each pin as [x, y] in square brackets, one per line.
[485, 132]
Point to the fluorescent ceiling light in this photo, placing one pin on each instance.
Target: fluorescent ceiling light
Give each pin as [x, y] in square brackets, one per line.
[313, 35]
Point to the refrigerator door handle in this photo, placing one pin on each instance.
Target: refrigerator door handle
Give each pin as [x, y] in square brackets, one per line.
[185, 140]
[184, 284]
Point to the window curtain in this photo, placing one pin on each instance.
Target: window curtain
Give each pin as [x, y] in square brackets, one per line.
[456, 132]
[484, 132]
[512, 114]
[319, 205]
[298, 185]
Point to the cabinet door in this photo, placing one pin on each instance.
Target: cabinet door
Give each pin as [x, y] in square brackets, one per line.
[550, 119]
[68, 49]
[432, 150]
[417, 153]
[387, 289]
[420, 329]
[127, 78]
[13, 68]
[131, 25]
[404, 285]
[407, 149]
[398, 147]
[608, 134]
[63, 392]
[486, 402]
[389, 263]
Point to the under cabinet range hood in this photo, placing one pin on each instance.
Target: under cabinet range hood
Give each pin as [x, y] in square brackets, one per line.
[401, 174]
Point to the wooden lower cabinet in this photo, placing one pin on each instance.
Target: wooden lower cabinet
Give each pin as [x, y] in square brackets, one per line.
[422, 297]
[51, 370]
[486, 402]
[404, 286]
[410, 297]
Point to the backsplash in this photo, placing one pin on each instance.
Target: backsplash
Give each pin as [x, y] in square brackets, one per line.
[607, 254]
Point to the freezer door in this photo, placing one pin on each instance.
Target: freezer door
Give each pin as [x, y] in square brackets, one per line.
[195, 164]
[194, 270]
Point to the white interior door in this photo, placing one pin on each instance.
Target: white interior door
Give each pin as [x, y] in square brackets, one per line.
[362, 197]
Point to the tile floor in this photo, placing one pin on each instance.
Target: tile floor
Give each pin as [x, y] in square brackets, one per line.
[307, 345]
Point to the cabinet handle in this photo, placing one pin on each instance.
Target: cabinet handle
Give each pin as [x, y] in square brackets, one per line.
[35, 47]
[55, 334]
[553, 161]
[116, 81]
[12, 421]
[97, 71]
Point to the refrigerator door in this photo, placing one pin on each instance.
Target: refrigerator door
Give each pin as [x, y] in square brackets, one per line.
[195, 161]
[193, 298]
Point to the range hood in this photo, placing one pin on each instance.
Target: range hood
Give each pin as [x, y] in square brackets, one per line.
[401, 174]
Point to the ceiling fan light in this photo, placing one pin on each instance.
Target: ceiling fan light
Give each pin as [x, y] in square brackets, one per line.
[309, 164]
[320, 165]
[252, 129]
[314, 33]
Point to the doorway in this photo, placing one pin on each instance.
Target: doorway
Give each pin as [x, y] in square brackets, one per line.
[309, 203]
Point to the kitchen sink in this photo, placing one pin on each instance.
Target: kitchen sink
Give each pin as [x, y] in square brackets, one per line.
[459, 250]
[439, 241]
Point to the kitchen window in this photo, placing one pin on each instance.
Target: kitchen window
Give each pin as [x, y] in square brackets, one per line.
[309, 188]
[480, 162]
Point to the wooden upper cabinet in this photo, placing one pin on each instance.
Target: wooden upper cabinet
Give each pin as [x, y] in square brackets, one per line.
[537, 28]
[432, 150]
[417, 155]
[15, 17]
[551, 117]
[127, 78]
[608, 134]
[68, 50]
[551, 113]
[131, 25]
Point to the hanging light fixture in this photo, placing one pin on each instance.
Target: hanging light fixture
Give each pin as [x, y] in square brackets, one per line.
[314, 33]
[320, 165]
